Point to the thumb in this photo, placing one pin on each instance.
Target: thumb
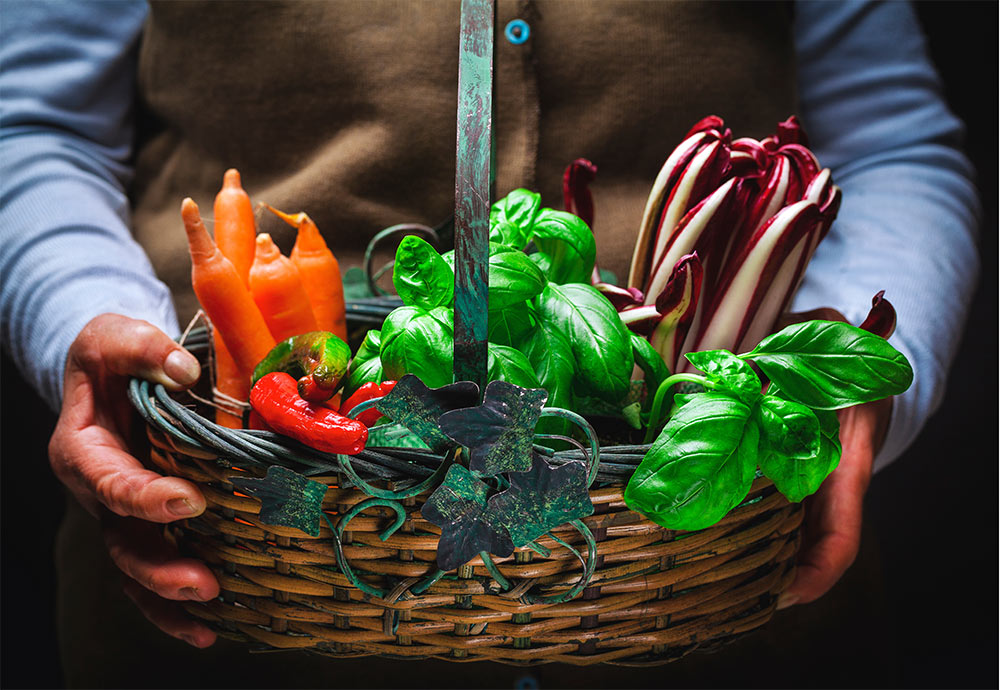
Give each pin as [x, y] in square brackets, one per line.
[129, 347]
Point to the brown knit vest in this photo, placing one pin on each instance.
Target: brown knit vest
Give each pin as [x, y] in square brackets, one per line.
[347, 110]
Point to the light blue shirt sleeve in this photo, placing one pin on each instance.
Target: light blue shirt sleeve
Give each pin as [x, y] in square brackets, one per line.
[67, 72]
[873, 108]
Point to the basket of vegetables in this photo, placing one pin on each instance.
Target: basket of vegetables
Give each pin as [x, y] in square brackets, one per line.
[518, 460]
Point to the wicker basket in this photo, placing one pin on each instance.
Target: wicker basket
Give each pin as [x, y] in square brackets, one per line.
[654, 594]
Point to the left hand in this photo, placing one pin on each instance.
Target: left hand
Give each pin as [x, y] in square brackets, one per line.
[832, 526]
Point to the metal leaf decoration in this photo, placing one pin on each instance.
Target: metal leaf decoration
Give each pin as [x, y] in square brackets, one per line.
[540, 499]
[499, 432]
[418, 407]
[457, 506]
[287, 499]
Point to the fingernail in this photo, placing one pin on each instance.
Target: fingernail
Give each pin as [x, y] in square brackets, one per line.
[182, 367]
[192, 594]
[785, 600]
[189, 639]
[181, 507]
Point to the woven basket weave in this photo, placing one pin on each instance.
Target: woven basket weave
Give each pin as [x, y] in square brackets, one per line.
[655, 594]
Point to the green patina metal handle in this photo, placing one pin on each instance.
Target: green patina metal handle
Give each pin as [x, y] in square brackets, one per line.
[474, 174]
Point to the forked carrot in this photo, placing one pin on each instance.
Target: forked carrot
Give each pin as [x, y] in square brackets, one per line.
[320, 273]
[235, 235]
[223, 296]
[278, 292]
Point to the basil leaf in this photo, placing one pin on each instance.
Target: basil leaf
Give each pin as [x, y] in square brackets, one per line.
[369, 371]
[542, 260]
[421, 277]
[418, 342]
[366, 367]
[828, 365]
[788, 428]
[651, 363]
[551, 357]
[514, 279]
[569, 243]
[700, 467]
[728, 372]
[512, 217]
[510, 365]
[512, 326]
[600, 342]
[797, 478]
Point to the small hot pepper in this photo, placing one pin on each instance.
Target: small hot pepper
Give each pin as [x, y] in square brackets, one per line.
[367, 392]
[276, 399]
[318, 358]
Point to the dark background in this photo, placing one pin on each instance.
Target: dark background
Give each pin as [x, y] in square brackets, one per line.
[934, 511]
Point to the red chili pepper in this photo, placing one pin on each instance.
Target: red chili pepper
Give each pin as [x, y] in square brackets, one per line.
[367, 392]
[276, 399]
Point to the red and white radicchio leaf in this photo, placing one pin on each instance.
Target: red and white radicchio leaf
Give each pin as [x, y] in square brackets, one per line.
[576, 190]
[621, 298]
[755, 280]
[677, 304]
[881, 320]
[693, 170]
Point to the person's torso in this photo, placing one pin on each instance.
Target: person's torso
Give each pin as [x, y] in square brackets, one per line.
[347, 110]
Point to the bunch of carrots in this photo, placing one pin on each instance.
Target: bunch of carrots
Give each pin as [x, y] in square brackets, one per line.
[255, 296]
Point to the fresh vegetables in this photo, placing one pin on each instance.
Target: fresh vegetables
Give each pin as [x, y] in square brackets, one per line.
[234, 235]
[702, 463]
[368, 391]
[276, 399]
[319, 359]
[277, 290]
[223, 295]
[319, 272]
[753, 212]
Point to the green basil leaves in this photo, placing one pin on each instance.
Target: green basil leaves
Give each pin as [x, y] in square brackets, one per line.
[698, 467]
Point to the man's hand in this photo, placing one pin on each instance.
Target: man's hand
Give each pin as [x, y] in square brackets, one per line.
[831, 532]
[89, 454]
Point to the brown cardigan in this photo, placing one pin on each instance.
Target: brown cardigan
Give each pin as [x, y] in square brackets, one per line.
[347, 110]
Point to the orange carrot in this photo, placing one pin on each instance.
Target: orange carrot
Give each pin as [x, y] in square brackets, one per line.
[278, 292]
[235, 229]
[223, 295]
[320, 274]
[231, 381]
[235, 235]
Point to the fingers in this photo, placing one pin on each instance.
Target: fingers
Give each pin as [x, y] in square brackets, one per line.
[93, 464]
[832, 529]
[128, 347]
[169, 617]
[139, 550]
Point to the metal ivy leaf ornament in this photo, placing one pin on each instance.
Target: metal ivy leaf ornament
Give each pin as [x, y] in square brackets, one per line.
[458, 507]
[419, 408]
[286, 498]
[498, 433]
[541, 499]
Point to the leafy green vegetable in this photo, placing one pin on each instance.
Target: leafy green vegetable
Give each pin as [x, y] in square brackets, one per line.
[512, 218]
[514, 279]
[798, 477]
[828, 365]
[599, 341]
[419, 342]
[512, 326]
[569, 243]
[729, 372]
[651, 363]
[507, 364]
[421, 277]
[789, 428]
[700, 467]
[366, 367]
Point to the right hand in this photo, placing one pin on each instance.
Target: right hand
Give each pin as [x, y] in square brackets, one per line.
[88, 453]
